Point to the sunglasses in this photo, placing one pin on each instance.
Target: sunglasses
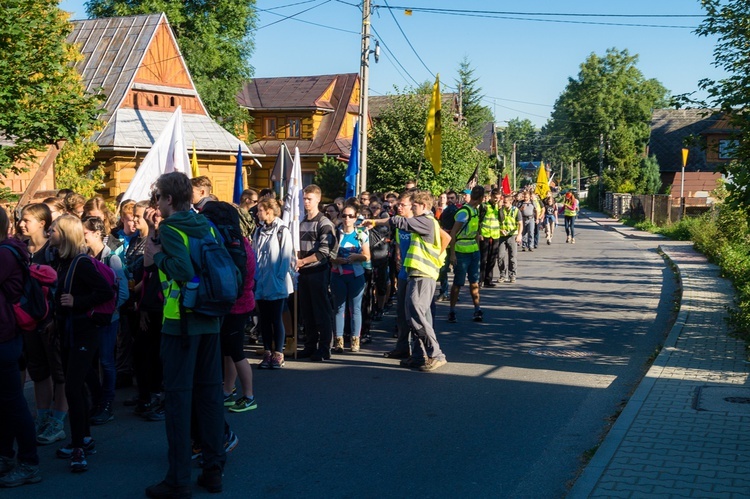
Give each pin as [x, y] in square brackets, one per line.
[349, 216]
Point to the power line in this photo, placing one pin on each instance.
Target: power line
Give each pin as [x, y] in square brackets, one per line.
[408, 41]
[385, 46]
[293, 18]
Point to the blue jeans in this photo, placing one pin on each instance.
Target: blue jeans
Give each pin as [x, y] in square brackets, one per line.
[347, 288]
[16, 424]
[570, 226]
[529, 225]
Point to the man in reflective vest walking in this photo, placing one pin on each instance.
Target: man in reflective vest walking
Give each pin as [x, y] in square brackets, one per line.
[464, 253]
[489, 241]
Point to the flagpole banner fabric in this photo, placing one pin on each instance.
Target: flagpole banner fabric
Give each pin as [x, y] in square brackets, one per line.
[352, 168]
[239, 173]
[293, 207]
[506, 185]
[282, 169]
[473, 180]
[169, 153]
[542, 184]
[433, 130]
[194, 164]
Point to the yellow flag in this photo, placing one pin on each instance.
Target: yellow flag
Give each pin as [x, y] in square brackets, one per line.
[433, 130]
[194, 164]
[542, 184]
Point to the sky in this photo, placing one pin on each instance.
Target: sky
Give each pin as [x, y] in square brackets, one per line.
[521, 53]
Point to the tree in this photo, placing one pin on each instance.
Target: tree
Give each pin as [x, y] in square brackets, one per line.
[72, 168]
[215, 38]
[525, 136]
[728, 20]
[612, 100]
[475, 115]
[396, 149]
[41, 96]
[649, 181]
[330, 177]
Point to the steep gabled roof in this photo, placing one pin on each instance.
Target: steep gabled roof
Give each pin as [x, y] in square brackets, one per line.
[669, 130]
[289, 93]
[311, 89]
[377, 103]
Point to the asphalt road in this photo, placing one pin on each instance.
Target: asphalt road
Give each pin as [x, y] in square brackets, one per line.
[497, 421]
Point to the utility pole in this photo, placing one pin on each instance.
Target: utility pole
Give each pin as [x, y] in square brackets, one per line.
[364, 83]
[601, 169]
[514, 167]
[460, 104]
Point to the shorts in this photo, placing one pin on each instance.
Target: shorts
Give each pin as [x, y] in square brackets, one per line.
[466, 263]
[232, 336]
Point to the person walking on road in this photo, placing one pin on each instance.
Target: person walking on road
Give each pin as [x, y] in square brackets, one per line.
[489, 241]
[464, 253]
[529, 213]
[570, 205]
[511, 225]
[550, 217]
[446, 223]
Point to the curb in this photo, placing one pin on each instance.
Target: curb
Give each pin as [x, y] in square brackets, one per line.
[587, 481]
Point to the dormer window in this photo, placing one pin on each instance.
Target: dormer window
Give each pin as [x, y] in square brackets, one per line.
[269, 127]
[728, 148]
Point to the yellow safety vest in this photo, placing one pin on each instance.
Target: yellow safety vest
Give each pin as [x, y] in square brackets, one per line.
[571, 209]
[466, 239]
[422, 257]
[491, 222]
[509, 224]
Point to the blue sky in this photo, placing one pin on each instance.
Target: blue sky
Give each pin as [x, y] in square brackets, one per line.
[522, 62]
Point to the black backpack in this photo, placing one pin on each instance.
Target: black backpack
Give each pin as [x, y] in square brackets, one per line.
[226, 219]
[380, 236]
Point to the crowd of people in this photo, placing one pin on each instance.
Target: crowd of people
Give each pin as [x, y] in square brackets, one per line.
[356, 257]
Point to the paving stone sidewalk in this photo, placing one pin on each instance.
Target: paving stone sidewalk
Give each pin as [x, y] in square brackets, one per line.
[686, 430]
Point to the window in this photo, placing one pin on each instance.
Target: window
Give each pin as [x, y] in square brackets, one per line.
[269, 127]
[728, 149]
[307, 179]
[294, 127]
[156, 100]
[171, 102]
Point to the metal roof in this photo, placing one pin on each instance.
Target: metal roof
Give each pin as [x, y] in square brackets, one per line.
[669, 130]
[288, 93]
[132, 128]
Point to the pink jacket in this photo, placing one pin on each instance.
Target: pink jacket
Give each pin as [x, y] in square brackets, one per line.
[246, 302]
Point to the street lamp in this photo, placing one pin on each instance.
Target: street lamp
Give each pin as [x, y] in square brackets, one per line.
[685, 152]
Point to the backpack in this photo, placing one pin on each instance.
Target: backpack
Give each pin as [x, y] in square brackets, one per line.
[37, 299]
[379, 243]
[219, 279]
[226, 219]
[100, 314]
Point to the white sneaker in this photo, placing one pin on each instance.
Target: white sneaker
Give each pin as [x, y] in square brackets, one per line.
[51, 432]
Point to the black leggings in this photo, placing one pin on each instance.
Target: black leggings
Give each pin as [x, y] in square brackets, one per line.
[271, 326]
[83, 345]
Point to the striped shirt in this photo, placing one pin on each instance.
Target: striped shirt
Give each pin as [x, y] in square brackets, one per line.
[316, 236]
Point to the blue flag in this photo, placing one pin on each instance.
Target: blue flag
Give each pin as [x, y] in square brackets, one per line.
[352, 169]
[238, 183]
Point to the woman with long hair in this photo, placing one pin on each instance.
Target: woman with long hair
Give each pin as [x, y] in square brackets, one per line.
[273, 243]
[81, 288]
[570, 207]
[97, 207]
[103, 391]
[17, 425]
[348, 277]
[56, 207]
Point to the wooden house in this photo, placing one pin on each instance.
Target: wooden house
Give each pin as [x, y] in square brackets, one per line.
[313, 113]
[136, 64]
[707, 136]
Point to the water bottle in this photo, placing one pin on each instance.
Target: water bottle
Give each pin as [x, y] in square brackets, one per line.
[190, 293]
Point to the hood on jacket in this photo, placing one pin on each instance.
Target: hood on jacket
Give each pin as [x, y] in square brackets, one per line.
[191, 223]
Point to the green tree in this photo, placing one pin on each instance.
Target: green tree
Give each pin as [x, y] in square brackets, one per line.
[216, 40]
[525, 136]
[649, 179]
[610, 99]
[396, 149]
[41, 96]
[474, 113]
[330, 177]
[729, 21]
[73, 171]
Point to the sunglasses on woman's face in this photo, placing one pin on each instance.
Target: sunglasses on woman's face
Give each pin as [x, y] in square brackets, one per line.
[349, 216]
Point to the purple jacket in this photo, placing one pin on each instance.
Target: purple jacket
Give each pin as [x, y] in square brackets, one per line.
[11, 285]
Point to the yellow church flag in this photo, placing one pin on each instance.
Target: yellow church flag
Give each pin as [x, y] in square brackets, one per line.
[194, 164]
[433, 130]
[542, 184]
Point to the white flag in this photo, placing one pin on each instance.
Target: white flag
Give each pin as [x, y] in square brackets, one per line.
[169, 153]
[293, 202]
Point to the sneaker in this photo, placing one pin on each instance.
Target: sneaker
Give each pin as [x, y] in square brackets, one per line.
[432, 364]
[78, 462]
[51, 432]
[277, 361]
[523, 248]
[452, 317]
[210, 479]
[244, 404]
[22, 474]
[143, 407]
[412, 362]
[567, 240]
[512, 280]
[266, 362]
[444, 297]
[104, 415]
[490, 284]
[156, 414]
[163, 490]
[478, 316]
[549, 241]
[231, 441]
[89, 447]
[397, 354]
[229, 399]
[572, 240]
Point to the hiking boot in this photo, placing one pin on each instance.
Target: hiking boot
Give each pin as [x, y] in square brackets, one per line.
[355, 344]
[104, 415]
[244, 404]
[89, 447]
[277, 361]
[22, 474]
[229, 399]
[572, 240]
[266, 362]
[478, 316]
[210, 479]
[51, 431]
[567, 240]
[432, 364]
[338, 344]
[163, 490]
[452, 317]
[78, 462]
[412, 362]
[512, 279]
